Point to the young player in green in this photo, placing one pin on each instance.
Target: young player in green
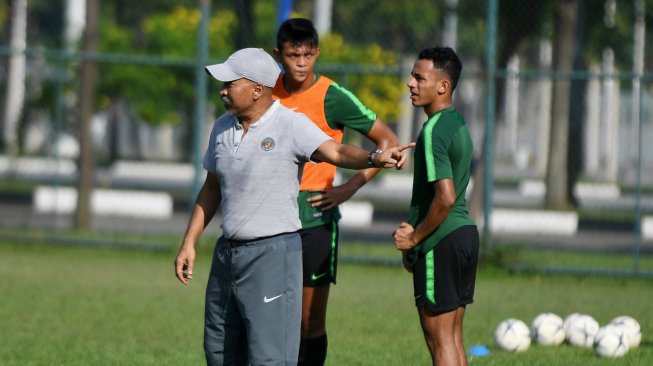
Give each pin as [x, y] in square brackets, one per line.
[440, 242]
[331, 108]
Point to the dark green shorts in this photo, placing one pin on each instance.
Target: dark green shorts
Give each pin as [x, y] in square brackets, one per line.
[320, 254]
[444, 278]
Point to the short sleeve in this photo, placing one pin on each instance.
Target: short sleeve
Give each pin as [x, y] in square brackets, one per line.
[307, 137]
[441, 158]
[208, 162]
[343, 109]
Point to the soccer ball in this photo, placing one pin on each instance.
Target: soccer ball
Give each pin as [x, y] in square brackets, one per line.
[631, 329]
[611, 341]
[581, 330]
[570, 319]
[547, 329]
[512, 335]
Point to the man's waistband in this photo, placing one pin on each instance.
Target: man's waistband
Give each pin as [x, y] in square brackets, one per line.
[233, 243]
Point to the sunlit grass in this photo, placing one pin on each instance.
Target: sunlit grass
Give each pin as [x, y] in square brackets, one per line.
[71, 305]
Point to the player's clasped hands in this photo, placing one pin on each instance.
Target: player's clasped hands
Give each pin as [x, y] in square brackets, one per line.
[403, 237]
[392, 157]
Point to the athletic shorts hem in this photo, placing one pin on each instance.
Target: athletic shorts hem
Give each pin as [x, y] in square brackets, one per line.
[441, 309]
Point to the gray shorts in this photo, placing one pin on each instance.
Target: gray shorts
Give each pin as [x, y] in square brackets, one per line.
[253, 302]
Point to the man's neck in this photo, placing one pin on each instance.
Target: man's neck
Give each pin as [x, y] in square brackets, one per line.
[294, 88]
[436, 107]
[253, 114]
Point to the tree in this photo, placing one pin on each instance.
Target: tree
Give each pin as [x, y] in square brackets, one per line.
[157, 93]
[378, 91]
[402, 26]
[83, 216]
[513, 32]
[564, 49]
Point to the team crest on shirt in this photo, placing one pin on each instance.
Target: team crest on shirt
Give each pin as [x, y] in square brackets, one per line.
[267, 144]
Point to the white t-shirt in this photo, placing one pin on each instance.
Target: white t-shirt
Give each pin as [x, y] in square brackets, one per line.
[259, 173]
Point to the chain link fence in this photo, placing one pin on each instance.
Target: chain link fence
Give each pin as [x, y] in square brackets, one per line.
[557, 95]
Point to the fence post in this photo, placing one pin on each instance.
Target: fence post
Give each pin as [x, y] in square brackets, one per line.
[637, 117]
[638, 187]
[492, 14]
[200, 96]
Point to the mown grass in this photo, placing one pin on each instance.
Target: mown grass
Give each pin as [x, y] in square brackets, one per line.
[70, 305]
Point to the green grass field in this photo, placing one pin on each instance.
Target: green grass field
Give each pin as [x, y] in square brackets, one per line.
[68, 305]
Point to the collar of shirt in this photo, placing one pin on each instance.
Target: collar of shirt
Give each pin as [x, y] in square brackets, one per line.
[267, 116]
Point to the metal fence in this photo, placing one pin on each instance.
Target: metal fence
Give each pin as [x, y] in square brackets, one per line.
[154, 108]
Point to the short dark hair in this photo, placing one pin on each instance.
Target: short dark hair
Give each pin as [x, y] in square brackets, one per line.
[445, 59]
[297, 31]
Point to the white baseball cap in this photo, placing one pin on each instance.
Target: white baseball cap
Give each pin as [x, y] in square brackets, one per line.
[250, 63]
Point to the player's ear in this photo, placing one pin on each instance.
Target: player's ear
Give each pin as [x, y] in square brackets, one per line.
[276, 53]
[317, 52]
[445, 85]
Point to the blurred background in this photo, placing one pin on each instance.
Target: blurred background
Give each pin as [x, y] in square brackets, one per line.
[106, 109]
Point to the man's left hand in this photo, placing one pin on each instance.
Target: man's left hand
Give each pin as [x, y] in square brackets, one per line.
[403, 236]
[332, 197]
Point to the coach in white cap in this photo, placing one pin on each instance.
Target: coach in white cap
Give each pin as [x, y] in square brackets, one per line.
[254, 161]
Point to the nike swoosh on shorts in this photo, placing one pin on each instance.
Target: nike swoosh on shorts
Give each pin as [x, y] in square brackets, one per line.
[315, 277]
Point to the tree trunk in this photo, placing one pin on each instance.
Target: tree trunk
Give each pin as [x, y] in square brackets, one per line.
[83, 215]
[578, 87]
[564, 49]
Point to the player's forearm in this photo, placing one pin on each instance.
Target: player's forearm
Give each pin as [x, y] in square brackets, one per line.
[382, 135]
[360, 179]
[441, 206]
[438, 212]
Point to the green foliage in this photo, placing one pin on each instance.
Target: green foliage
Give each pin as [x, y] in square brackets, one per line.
[159, 94]
[265, 26]
[45, 22]
[618, 37]
[403, 26]
[472, 39]
[382, 93]
[4, 18]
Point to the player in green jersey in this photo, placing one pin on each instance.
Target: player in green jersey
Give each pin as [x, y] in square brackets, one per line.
[439, 241]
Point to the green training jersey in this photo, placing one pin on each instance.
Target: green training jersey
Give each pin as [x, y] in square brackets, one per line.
[332, 108]
[443, 151]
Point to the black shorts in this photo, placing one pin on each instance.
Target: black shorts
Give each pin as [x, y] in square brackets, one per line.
[444, 278]
[320, 254]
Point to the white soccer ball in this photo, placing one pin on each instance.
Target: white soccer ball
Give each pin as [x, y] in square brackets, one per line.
[512, 335]
[581, 330]
[611, 341]
[570, 319]
[547, 329]
[631, 328]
